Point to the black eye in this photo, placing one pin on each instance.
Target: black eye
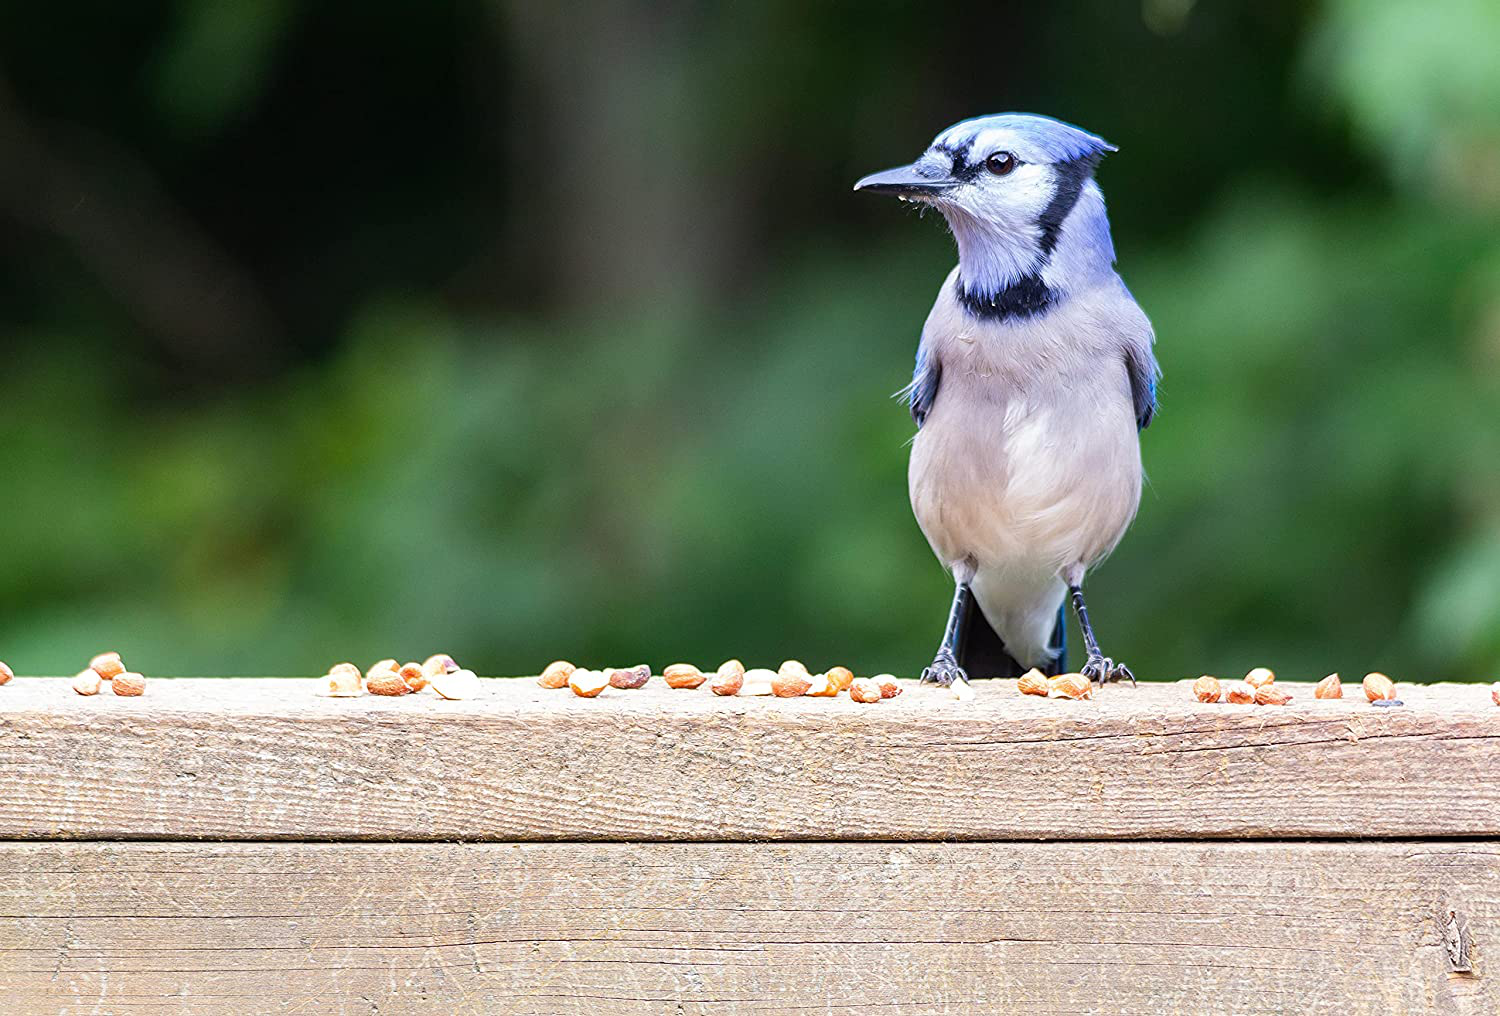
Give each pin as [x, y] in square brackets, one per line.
[1000, 163]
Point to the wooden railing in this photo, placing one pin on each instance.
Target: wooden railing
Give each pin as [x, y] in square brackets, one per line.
[240, 846]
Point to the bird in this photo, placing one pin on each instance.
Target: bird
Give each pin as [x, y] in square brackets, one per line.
[1035, 376]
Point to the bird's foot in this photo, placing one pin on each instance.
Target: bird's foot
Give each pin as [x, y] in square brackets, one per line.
[1103, 670]
[944, 670]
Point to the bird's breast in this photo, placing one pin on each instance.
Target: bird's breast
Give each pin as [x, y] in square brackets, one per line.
[1025, 464]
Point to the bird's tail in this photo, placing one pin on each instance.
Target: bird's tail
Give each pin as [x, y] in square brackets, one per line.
[982, 653]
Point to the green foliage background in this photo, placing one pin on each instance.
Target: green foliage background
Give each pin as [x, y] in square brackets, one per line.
[342, 331]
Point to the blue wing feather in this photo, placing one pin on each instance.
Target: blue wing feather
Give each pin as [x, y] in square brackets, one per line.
[1144, 372]
[922, 391]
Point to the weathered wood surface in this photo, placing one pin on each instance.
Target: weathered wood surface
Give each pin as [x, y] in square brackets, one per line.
[678, 929]
[266, 759]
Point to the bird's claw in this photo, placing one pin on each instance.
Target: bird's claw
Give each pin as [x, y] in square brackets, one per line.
[944, 671]
[1102, 669]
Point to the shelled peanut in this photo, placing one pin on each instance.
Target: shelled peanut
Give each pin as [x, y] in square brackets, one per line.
[6, 673]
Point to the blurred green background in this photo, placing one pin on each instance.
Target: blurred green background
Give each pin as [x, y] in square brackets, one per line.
[523, 330]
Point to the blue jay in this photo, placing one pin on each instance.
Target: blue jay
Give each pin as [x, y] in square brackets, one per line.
[1035, 375]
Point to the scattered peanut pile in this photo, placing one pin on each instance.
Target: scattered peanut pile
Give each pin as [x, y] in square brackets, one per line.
[1071, 686]
[438, 672]
[1259, 688]
[108, 668]
[791, 680]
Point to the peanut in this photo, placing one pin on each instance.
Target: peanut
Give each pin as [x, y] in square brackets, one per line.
[556, 674]
[842, 677]
[382, 667]
[888, 685]
[729, 678]
[1207, 688]
[1073, 686]
[1329, 687]
[1377, 686]
[129, 684]
[1260, 677]
[87, 682]
[438, 663]
[630, 677]
[455, 684]
[1270, 695]
[1239, 693]
[791, 680]
[757, 682]
[6, 673]
[587, 683]
[386, 681]
[961, 691]
[343, 681]
[683, 675]
[414, 676]
[1494, 693]
[1033, 682]
[863, 689]
[820, 686]
[107, 665]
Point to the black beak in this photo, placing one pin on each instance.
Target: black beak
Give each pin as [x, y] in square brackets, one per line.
[914, 181]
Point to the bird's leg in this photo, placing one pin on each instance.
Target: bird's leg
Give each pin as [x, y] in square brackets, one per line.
[945, 669]
[1098, 666]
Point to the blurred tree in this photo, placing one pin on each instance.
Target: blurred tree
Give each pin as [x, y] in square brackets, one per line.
[521, 332]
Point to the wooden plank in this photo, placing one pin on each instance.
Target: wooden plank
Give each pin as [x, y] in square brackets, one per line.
[265, 759]
[599, 929]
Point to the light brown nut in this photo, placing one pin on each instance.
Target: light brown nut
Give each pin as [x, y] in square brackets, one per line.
[888, 685]
[1272, 695]
[414, 676]
[1495, 693]
[455, 684]
[387, 675]
[683, 675]
[1206, 688]
[819, 686]
[1073, 686]
[556, 674]
[864, 689]
[757, 682]
[631, 677]
[1239, 693]
[343, 681]
[107, 665]
[1377, 686]
[87, 682]
[386, 682]
[791, 680]
[729, 679]
[6, 673]
[1329, 687]
[129, 684]
[1033, 682]
[587, 683]
[1260, 677]
[842, 677]
[961, 690]
[438, 663]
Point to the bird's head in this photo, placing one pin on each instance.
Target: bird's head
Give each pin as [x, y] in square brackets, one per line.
[1018, 193]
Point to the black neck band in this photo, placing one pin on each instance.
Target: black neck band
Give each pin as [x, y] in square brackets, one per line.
[1024, 298]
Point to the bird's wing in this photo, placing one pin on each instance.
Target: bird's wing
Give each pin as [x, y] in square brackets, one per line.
[922, 391]
[1140, 361]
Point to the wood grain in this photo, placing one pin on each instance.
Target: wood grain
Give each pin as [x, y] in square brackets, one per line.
[258, 759]
[602, 929]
